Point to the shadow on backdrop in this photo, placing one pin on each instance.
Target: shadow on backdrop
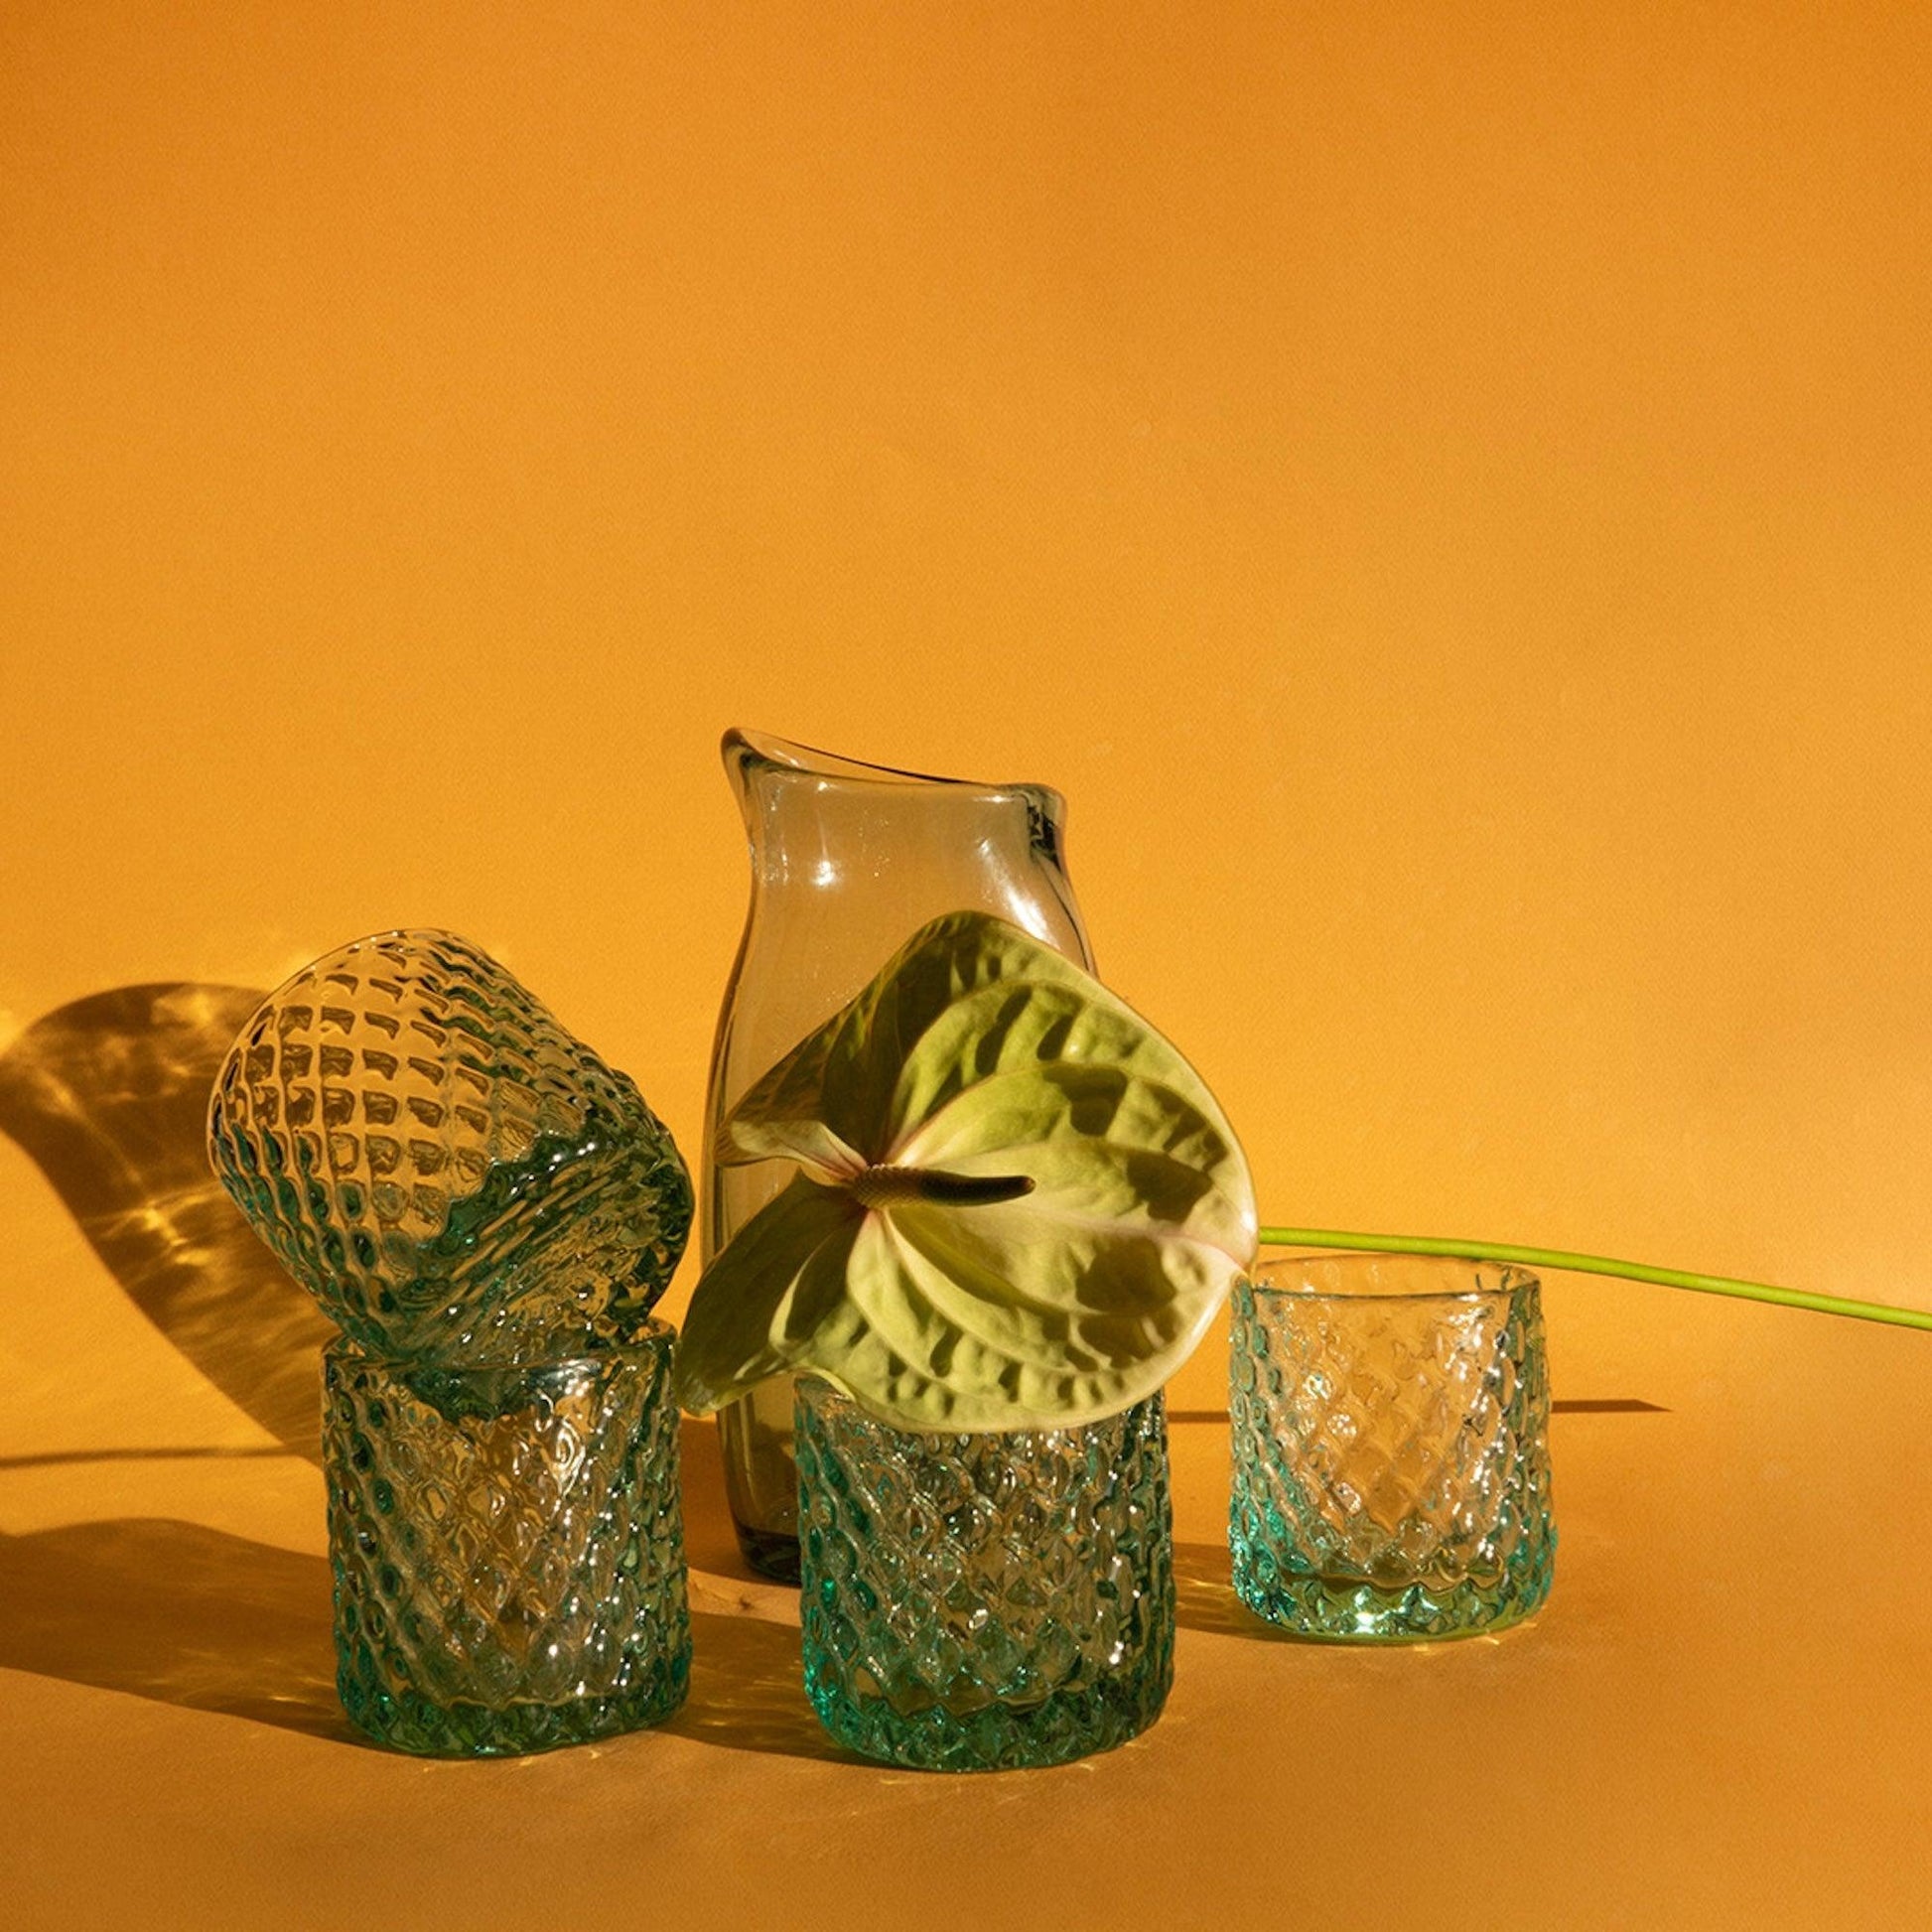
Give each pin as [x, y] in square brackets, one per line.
[748, 1691]
[1205, 1598]
[175, 1612]
[109, 1096]
[183, 1614]
[747, 1686]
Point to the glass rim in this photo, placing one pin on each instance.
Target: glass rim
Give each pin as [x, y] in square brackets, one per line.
[654, 1339]
[1510, 1278]
[745, 746]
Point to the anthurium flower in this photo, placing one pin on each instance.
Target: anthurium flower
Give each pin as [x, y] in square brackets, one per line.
[1015, 1205]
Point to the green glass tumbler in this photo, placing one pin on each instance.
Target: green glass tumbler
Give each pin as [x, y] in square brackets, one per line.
[508, 1548]
[1390, 1419]
[984, 1601]
[450, 1173]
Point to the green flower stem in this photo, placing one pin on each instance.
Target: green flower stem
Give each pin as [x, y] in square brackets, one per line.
[1630, 1270]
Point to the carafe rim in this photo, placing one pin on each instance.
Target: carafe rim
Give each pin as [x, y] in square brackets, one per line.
[749, 753]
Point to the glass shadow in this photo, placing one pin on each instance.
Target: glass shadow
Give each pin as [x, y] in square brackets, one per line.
[177, 1613]
[109, 1095]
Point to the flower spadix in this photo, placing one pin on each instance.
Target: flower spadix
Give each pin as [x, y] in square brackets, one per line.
[1015, 1205]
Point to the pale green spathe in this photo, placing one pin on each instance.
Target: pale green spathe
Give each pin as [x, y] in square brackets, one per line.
[1016, 1204]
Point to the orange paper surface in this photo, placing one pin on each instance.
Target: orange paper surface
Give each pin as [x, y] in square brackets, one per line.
[1446, 493]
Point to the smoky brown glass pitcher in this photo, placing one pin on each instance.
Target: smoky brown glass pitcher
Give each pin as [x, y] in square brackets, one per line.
[848, 859]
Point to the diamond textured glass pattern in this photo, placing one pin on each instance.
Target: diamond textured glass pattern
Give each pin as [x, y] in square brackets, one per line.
[1390, 1423]
[507, 1549]
[450, 1173]
[984, 1601]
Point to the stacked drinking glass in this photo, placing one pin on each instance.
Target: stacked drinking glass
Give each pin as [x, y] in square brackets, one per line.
[490, 1213]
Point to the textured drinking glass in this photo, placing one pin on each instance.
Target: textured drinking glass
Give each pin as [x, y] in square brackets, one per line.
[508, 1548]
[1391, 1422]
[984, 1601]
[848, 859]
[447, 1170]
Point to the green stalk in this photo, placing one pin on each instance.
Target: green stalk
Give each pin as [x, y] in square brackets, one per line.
[1630, 1270]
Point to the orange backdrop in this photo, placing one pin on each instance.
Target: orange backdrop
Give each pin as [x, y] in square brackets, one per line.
[1447, 491]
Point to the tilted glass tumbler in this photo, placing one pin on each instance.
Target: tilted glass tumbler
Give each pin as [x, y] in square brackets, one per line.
[448, 1172]
[984, 1601]
[508, 1548]
[1390, 1419]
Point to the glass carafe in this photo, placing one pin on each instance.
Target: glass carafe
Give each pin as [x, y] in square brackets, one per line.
[848, 861]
